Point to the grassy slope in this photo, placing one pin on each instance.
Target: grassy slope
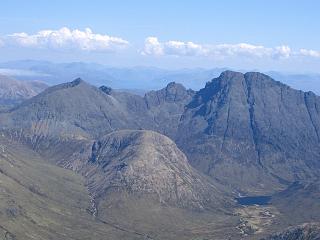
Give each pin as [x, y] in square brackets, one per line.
[42, 201]
[159, 221]
[39, 200]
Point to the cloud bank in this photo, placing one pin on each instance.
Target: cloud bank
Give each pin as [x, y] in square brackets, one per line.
[310, 53]
[154, 47]
[67, 39]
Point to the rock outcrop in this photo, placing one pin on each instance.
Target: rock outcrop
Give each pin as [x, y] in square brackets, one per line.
[309, 231]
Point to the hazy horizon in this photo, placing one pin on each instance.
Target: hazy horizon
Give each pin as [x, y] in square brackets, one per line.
[168, 68]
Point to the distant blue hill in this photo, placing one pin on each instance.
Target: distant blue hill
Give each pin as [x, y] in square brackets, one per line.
[137, 78]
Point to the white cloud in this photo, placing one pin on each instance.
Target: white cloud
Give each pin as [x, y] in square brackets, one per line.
[66, 38]
[182, 48]
[309, 53]
[283, 51]
[154, 47]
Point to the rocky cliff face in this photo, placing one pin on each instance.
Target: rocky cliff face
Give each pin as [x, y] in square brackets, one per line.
[166, 107]
[252, 132]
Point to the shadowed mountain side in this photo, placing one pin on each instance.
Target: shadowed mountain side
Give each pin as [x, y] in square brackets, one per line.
[166, 107]
[292, 200]
[248, 126]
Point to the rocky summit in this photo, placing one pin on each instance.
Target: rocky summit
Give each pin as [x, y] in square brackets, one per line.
[251, 131]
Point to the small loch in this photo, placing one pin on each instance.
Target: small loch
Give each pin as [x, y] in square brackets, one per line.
[254, 200]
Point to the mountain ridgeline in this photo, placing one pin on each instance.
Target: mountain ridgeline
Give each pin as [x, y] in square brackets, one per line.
[179, 153]
[257, 130]
[244, 130]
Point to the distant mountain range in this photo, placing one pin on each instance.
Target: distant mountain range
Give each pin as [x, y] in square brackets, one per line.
[140, 79]
[13, 91]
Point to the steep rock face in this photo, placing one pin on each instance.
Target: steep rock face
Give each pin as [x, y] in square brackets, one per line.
[166, 107]
[146, 162]
[173, 92]
[310, 231]
[252, 132]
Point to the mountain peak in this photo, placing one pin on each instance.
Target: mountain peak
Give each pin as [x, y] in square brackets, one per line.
[174, 85]
[251, 110]
[237, 80]
[72, 84]
[148, 162]
[77, 81]
[173, 92]
[230, 77]
[226, 78]
[262, 80]
[230, 74]
[106, 90]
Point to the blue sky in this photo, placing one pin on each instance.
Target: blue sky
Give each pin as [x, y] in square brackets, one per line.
[247, 34]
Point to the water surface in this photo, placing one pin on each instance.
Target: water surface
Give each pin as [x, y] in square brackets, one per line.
[254, 200]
